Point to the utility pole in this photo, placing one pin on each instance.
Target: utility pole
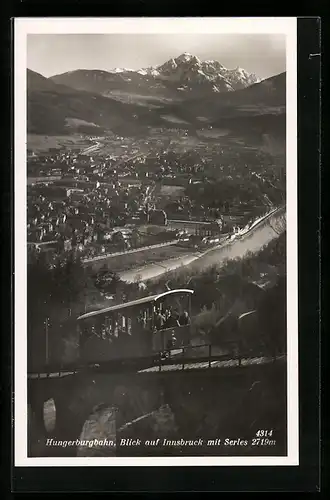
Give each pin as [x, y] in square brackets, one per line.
[47, 346]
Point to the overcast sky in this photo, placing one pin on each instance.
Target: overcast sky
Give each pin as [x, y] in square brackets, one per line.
[49, 55]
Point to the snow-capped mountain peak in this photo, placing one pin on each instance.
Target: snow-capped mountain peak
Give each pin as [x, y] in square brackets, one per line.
[185, 73]
[121, 70]
[187, 68]
[186, 57]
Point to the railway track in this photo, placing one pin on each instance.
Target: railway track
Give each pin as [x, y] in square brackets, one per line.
[170, 363]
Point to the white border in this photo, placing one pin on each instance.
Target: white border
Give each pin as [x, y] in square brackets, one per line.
[275, 25]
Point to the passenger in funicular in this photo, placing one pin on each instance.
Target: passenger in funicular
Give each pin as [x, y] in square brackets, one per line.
[184, 319]
[142, 319]
[172, 318]
[160, 319]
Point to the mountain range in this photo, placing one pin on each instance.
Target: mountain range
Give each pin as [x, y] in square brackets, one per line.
[184, 90]
[184, 74]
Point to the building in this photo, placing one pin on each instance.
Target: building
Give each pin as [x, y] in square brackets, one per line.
[213, 228]
[53, 192]
[74, 191]
[122, 239]
[200, 228]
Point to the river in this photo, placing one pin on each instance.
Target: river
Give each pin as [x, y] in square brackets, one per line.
[253, 240]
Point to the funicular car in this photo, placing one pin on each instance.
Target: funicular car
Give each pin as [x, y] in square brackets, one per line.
[138, 328]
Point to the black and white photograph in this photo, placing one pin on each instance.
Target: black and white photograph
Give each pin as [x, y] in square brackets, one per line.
[155, 241]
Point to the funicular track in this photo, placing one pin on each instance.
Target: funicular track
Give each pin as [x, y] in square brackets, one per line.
[198, 357]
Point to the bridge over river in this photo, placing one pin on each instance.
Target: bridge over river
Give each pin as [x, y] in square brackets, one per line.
[129, 398]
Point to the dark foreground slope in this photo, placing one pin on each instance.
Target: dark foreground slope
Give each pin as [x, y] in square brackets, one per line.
[57, 109]
[267, 96]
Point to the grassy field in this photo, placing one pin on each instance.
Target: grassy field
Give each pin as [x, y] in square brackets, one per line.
[42, 143]
[138, 259]
[167, 190]
[142, 100]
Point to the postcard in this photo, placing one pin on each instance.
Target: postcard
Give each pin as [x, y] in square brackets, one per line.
[156, 317]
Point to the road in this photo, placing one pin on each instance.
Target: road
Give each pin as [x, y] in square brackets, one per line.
[136, 155]
[126, 252]
[98, 145]
[251, 239]
[92, 148]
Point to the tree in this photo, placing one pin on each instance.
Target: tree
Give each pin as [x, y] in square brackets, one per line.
[39, 285]
[69, 279]
[100, 276]
[54, 293]
[39, 295]
[272, 316]
[107, 280]
[135, 238]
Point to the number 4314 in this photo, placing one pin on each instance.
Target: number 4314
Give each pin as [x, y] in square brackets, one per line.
[264, 433]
